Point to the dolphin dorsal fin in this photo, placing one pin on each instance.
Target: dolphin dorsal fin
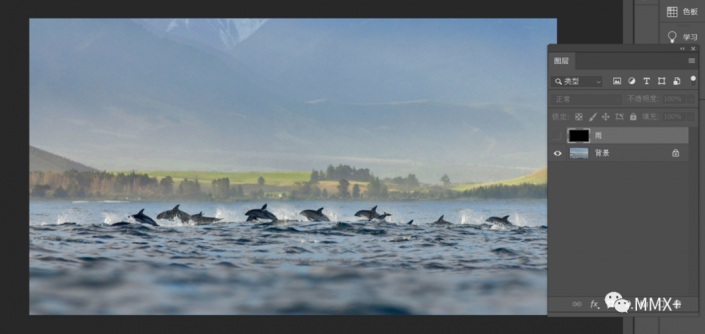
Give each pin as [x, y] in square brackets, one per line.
[319, 210]
[176, 207]
[505, 217]
[373, 209]
[409, 223]
[264, 207]
[440, 219]
[139, 213]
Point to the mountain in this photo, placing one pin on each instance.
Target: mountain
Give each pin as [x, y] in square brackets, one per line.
[43, 161]
[220, 34]
[381, 60]
[119, 97]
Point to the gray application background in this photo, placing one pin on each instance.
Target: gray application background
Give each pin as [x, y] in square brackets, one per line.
[646, 22]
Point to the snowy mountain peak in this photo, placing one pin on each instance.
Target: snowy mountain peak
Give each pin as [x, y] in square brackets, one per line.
[222, 34]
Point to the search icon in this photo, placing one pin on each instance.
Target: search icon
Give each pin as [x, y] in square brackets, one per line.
[558, 81]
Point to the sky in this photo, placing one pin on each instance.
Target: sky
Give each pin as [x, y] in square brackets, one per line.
[397, 96]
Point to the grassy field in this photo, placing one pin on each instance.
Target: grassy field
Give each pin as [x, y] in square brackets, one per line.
[537, 177]
[281, 179]
[332, 186]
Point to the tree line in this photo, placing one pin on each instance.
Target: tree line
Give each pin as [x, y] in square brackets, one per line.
[75, 184]
[341, 172]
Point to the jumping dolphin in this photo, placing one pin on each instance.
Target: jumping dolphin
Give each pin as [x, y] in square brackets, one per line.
[409, 223]
[315, 215]
[144, 219]
[199, 219]
[174, 213]
[262, 213]
[385, 215]
[497, 220]
[369, 214]
[440, 221]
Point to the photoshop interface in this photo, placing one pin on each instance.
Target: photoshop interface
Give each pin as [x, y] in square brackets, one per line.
[623, 156]
[623, 174]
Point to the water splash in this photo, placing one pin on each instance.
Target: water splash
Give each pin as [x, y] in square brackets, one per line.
[229, 215]
[73, 215]
[470, 216]
[287, 212]
[520, 220]
[169, 223]
[111, 217]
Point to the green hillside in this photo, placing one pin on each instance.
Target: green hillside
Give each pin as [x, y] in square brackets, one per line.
[537, 177]
[43, 161]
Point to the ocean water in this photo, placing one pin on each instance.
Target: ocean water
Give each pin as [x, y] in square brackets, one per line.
[346, 266]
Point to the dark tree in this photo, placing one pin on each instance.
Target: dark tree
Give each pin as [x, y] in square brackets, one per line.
[343, 185]
[39, 190]
[324, 193]
[221, 187]
[60, 192]
[314, 176]
[167, 185]
[374, 188]
[412, 181]
[356, 191]
[445, 179]
[260, 181]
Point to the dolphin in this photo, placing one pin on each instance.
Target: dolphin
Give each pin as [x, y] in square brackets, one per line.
[262, 213]
[440, 221]
[174, 213]
[369, 214]
[199, 219]
[385, 215]
[120, 224]
[498, 220]
[409, 223]
[315, 215]
[144, 219]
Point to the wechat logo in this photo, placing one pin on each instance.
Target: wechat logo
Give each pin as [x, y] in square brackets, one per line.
[615, 300]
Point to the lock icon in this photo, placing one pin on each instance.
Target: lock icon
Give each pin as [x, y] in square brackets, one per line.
[676, 154]
[632, 117]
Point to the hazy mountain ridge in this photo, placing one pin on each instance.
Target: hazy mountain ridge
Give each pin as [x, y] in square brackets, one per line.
[43, 161]
[118, 97]
[222, 34]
